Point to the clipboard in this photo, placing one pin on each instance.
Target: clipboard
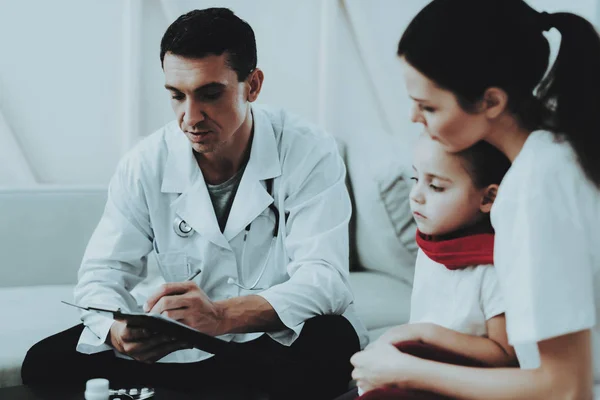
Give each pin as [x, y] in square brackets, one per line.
[159, 324]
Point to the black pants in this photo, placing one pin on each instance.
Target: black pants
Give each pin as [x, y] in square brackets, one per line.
[316, 366]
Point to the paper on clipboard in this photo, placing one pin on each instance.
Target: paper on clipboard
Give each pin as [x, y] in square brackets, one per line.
[160, 324]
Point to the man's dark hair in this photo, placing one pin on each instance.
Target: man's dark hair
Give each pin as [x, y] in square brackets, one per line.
[212, 31]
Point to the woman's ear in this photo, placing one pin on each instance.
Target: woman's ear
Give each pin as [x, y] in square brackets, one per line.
[255, 81]
[494, 102]
[487, 200]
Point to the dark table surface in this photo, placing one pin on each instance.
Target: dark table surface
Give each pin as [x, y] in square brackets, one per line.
[26, 393]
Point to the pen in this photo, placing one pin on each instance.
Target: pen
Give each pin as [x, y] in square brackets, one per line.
[189, 278]
[195, 274]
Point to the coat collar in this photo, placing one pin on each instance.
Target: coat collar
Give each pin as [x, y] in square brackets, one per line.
[182, 175]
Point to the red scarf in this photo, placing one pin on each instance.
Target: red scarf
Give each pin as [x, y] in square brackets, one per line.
[459, 252]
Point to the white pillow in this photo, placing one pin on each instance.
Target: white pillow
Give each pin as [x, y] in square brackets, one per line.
[382, 229]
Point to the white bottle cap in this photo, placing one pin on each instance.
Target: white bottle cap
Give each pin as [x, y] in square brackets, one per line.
[97, 389]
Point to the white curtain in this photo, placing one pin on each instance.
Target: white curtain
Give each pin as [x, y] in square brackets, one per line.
[81, 82]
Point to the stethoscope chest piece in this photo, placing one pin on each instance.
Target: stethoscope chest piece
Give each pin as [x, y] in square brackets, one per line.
[181, 228]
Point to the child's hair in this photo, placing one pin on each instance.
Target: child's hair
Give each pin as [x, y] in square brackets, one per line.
[468, 46]
[485, 164]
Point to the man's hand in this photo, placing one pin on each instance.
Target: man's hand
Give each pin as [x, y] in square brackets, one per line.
[140, 344]
[187, 303]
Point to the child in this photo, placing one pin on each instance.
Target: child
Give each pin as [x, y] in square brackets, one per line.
[457, 312]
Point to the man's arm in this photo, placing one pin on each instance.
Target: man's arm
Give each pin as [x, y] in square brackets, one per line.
[317, 244]
[187, 303]
[115, 256]
[248, 314]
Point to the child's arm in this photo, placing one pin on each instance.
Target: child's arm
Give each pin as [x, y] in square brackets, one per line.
[565, 373]
[493, 350]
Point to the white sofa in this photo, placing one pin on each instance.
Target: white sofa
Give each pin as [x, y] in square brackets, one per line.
[44, 231]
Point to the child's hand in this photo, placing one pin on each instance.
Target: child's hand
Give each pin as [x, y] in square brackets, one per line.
[381, 364]
[408, 332]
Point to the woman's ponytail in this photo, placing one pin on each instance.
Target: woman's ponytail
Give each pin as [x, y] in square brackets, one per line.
[572, 88]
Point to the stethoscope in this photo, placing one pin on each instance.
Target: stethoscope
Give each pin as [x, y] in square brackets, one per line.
[184, 230]
[181, 228]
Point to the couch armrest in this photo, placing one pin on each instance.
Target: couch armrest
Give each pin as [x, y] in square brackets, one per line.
[44, 231]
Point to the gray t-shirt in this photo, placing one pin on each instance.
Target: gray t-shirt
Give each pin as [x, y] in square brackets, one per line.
[222, 196]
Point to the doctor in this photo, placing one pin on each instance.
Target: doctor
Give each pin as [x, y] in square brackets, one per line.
[250, 200]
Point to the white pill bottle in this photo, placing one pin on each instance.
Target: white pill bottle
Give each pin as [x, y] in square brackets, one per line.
[97, 389]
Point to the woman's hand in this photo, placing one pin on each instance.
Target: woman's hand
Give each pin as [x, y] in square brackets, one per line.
[380, 364]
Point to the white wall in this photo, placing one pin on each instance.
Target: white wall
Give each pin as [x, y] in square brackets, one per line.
[80, 80]
[59, 80]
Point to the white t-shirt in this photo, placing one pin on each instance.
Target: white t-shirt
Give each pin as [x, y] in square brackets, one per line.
[461, 300]
[546, 251]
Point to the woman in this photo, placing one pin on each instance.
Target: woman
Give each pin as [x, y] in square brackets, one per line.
[476, 70]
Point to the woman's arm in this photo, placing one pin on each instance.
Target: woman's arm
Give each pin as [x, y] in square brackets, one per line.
[565, 374]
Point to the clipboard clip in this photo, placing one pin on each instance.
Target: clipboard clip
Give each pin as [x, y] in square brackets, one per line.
[93, 308]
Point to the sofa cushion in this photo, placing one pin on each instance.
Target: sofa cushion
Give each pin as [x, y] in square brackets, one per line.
[36, 312]
[384, 230]
[32, 313]
[46, 226]
[381, 300]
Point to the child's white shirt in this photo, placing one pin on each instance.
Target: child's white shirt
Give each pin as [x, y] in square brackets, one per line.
[547, 249]
[462, 299]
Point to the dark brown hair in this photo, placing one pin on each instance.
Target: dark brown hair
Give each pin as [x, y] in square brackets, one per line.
[468, 46]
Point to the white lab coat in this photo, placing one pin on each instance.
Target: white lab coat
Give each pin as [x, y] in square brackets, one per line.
[307, 267]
